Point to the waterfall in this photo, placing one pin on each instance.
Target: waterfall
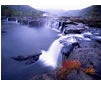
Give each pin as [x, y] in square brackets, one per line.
[7, 18]
[50, 57]
[16, 21]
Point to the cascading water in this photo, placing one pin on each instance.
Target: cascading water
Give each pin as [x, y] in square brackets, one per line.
[50, 57]
[53, 25]
[7, 19]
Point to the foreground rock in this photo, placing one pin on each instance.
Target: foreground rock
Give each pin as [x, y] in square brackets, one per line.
[28, 59]
[46, 76]
[88, 57]
[67, 49]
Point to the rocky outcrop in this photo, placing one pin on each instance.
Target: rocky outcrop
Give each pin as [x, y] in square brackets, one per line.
[45, 76]
[67, 49]
[75, 75]
[35, 23]
[91, 22]
[88, 57]
[11, 19]
[74, 30]
[28, 59]
[95, 24]
[3, 18]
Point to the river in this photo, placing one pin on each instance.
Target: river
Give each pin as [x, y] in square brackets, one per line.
[23, 40]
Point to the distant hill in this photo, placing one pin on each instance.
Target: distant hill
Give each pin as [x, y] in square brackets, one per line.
[72, 13]
[19, 10]
[94, 10]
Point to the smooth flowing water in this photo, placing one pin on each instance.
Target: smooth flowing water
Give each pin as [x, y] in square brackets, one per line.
[50, 57]
[23, 40]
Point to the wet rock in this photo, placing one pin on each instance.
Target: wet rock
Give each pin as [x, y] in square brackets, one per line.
[69, 22]
[89, 44]
[28, 59]
[65, 24]
[19, 58]
[96, 38]
[74, 30]
[88, 57]
[11, 19]
[3, 18]
[45, 76]
[20, 21]
[77, 29]
[67, 49]
[91, 22]
[25, 22]
[35, 23]
[94, 24]
[75, 75]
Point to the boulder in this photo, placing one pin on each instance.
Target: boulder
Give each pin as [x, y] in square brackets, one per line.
[67, 49]
[75, 75]
[35, 23]
[25, 22]
[45, 76]
[89, 44]
[94, 23]
[88, 57]
[3, 18]
[74, 30]
[11, 19]
[28, 59]
[20, 21]
[69, 22]
[96, 38]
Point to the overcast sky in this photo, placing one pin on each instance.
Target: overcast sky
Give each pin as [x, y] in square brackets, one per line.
[54, 4]
[62, 4]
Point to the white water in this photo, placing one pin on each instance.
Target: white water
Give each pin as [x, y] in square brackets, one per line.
[50, 57]
[7, 19]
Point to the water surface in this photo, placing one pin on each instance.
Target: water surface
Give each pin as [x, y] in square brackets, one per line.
[23, 40]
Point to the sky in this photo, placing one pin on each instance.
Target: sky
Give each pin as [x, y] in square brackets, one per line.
[54, 4]
[62, 4]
